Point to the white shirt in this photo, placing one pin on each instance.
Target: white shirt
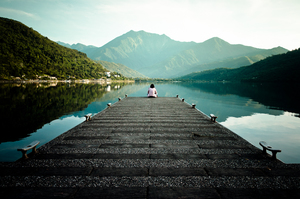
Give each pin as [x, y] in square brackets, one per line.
[152, 92]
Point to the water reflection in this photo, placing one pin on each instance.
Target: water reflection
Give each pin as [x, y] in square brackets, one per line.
[256, 112]
[27, 107]
[280, 131]
[41, 112]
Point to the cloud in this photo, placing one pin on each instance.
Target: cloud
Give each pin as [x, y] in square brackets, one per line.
[8, 12]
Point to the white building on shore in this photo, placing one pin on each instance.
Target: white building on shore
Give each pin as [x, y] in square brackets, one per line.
[107, 74]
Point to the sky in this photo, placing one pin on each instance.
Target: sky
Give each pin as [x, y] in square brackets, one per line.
[259, 23]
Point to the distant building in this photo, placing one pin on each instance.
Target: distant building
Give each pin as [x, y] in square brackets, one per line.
[108, 88]
[53, 78]
[107, 74]
[46, 77]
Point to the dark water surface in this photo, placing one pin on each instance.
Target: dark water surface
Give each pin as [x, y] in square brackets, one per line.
[256, 112]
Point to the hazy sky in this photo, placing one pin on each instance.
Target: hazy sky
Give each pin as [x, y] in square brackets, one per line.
[258, 23]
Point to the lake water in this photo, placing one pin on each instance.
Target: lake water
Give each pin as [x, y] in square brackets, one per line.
[256, 112]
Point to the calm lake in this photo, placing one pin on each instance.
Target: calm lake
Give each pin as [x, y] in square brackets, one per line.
[256, 112]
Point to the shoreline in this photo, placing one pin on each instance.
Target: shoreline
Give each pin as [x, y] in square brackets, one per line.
[103, 81]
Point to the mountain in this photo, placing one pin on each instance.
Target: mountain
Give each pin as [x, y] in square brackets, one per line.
[138, 49]
[159, 56]
[26, 54]
[122, 69]
[278, 68]
[80, 47]
[210, 55]
[231, 62]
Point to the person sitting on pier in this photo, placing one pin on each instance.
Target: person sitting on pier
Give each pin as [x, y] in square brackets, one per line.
[152, 91]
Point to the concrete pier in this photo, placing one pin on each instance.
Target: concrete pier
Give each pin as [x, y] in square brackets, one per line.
[149, 148]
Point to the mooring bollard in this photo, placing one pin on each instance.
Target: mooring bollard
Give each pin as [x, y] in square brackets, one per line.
[269, 148]
[213, 117]
[177, 96]
[119, 99]
[32, 146]
[182, 99]
[193, 105]
[88, 117]
[126, 95]
[109, 104]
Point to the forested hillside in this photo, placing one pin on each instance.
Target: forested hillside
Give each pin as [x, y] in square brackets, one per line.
[277, 68]
[27, 54]
[122, 69]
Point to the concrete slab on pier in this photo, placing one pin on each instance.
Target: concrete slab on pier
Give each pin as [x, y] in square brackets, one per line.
[149, 148]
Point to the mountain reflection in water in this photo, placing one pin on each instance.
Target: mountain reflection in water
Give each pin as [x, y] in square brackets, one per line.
[256, 112]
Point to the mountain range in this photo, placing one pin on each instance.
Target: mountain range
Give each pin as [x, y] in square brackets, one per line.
[158, 56]
[26, 54]
[277, 68]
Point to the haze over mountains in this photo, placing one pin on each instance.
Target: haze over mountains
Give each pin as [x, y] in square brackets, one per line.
[278, 68]
[158, 56]
[26, 54]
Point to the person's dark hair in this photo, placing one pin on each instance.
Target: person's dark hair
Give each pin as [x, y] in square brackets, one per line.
[152, 86]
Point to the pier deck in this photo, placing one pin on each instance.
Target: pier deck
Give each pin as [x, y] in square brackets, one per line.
[149, 148]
